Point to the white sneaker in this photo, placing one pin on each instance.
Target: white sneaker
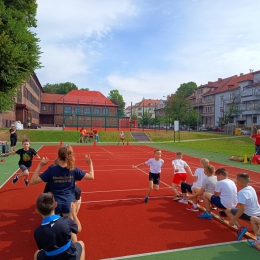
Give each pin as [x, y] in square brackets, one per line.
[184, 201]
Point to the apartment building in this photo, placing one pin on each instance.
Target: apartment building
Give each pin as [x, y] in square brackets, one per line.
[146, 105]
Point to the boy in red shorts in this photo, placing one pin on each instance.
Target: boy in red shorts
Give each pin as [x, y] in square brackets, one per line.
[180, 169]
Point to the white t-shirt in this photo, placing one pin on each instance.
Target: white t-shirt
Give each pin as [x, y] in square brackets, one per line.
[155, 166]
[122, 135]
[209, 184]
[248, 197]
[179, 165]
[228, 193]
[199, 172]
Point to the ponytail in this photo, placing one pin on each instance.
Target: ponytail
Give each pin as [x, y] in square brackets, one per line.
[66, 154]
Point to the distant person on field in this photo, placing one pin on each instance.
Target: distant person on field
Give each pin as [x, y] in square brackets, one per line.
[121, 138]
[198, 178]
[208, 185]
[180, 169]
[28, 125]
[81, 135]
[62, 178]
[56, 237]
[13, 138]
[248, 205]
[225, 194]
[256, 137]
[95, 131]
[25, 162]
[91, 135]
[155, 165]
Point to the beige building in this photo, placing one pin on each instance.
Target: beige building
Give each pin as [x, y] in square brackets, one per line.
[27, 104]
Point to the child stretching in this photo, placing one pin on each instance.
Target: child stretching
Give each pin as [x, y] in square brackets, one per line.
[62, 178]
[180, 169]
[77, 192]
[56, 237]
[25, 162]
[248, 205]
[155, 171]
[208, 185]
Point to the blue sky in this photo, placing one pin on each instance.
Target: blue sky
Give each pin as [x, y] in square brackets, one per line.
[146, 48]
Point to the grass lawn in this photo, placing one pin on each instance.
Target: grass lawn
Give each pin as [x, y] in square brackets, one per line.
[205, 141]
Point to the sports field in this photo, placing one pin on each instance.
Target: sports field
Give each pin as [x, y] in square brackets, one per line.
[116, 222]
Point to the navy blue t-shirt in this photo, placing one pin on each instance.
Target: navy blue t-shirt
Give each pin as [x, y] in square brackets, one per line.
[26, 157]
[61, 179]
[55, 234]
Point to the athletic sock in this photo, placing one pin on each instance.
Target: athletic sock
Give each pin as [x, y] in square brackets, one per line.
[195, 205]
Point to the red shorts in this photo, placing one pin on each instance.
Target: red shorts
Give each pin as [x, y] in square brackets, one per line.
[179, 177]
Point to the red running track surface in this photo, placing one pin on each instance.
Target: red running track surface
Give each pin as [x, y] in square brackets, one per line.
[115, 220]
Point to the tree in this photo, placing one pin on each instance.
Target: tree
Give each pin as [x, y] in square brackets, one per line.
[186, 89]
[115, 97]
[7, 100]
[59, 88]
[19, 47]
[146, 118]
[87, 89]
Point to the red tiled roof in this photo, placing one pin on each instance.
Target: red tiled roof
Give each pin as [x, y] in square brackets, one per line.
[146, 102]
[82, 97]
[233, 83]
[51, 98]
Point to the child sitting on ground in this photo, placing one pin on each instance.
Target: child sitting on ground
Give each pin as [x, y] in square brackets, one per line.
[248, 205]
[198, 178]
[225, 194]
[208, 185]
[56, 237]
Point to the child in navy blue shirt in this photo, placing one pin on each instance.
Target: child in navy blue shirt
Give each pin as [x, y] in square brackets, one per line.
[25, 162]
[56, 237]
[62, 178]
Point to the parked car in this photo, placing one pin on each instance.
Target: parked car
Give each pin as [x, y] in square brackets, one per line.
[245, 132]
[218, 129]
[203, 128]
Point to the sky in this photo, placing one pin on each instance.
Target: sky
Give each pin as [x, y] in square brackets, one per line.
[146, 48]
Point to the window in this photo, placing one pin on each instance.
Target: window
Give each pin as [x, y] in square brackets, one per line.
[50, 108]
[231, 96]
[254, 92]
[221, 98]
[67, 110]
[87, 111]
[43, 108]
[77, 110]
[96, 111]
[105, 111]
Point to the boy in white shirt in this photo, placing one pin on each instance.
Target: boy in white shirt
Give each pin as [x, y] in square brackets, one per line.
[225, 194]
[198, 178]
[180, 169]
[155, 164]
[208, 185]
[249, 205]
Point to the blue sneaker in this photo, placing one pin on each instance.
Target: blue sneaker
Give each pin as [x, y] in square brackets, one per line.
[146, 200]
[205, 215]
[241, 232]
[254, 243]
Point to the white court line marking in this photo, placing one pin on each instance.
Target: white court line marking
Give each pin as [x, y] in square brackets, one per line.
[116, 200]
[100, 191]
[107, 151]
[176, 250]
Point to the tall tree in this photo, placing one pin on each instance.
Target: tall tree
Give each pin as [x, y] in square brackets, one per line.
[186, 89]
[19, 47]
[59, 88]
[115, 97]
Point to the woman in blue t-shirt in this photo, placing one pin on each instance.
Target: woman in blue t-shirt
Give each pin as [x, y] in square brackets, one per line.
[62, 178]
